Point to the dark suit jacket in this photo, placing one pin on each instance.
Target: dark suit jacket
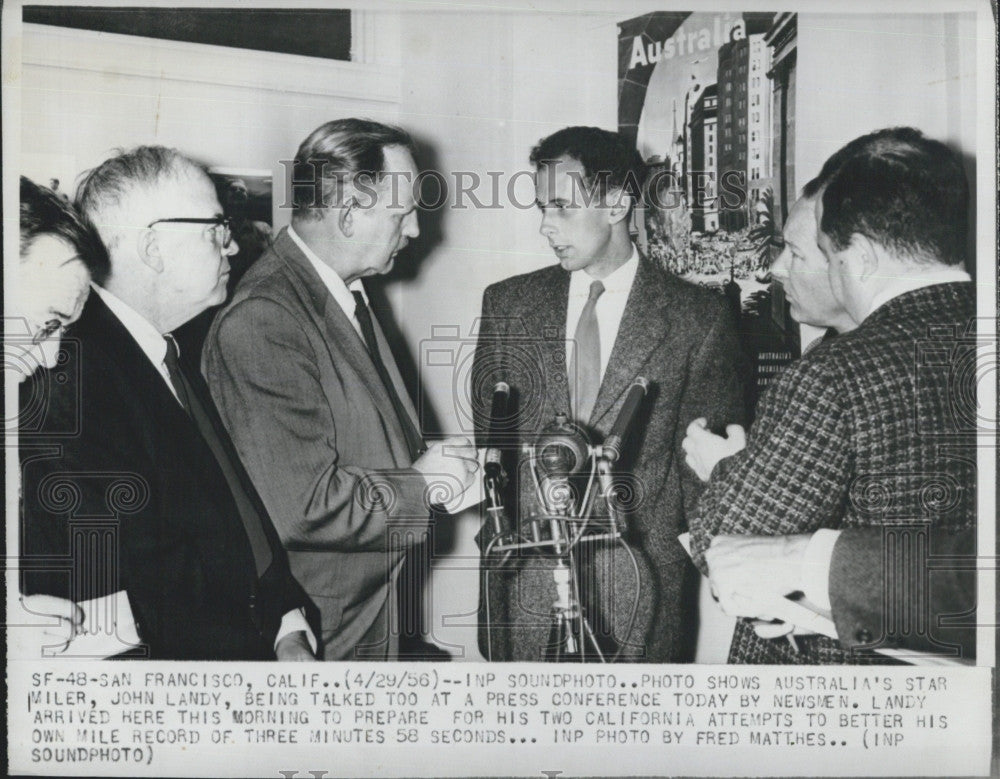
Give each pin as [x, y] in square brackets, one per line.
[906, 587]
[682, 339]
[874, 428]
[116, 453]
[316, 429]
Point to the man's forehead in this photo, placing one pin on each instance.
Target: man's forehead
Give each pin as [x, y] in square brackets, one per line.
[801, 222]
[194, 192]
[399, 175]
[399, 161]
[560, 177]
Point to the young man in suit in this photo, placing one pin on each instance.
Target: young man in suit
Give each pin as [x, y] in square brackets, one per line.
[571, 338]
[309, 390]
[137, 464]
[861, 448]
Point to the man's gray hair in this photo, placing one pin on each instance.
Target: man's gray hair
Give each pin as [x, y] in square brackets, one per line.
[105, 187]
[337, 154]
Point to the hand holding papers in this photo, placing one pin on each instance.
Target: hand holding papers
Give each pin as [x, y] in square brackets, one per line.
[53, 626]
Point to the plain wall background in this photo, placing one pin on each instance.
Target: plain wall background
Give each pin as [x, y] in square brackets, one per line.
[477, 91]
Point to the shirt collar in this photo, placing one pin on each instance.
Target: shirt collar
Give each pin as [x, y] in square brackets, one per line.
[619, 280]
[905, 284]
[342, 293]
[152, 342]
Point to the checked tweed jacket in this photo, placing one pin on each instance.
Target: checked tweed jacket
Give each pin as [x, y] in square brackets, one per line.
[874, 428]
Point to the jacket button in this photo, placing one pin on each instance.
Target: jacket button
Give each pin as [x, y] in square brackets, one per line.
[863, 636]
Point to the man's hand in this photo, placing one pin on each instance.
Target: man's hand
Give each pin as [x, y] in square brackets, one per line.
[449, 467]
[31, 641]
[295, 648]
[749, 574]
[703, 449]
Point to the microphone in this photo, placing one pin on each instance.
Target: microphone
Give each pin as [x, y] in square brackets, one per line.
[563, 449]
[498, 413]
[493, 475]
[613, 443]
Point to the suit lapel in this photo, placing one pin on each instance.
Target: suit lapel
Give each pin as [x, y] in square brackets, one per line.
[173, 436]
[546, 317]
[394, 375]
[340, 335]
[143, 381]
[642, 329]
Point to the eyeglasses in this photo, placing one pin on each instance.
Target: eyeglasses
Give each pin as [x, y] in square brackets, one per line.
[216, 221]
[47, 330]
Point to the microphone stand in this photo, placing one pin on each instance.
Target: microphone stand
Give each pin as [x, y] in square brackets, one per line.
[561, 451]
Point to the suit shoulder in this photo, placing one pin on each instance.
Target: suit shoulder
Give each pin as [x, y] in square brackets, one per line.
[267, 277]
[685, 305]
[692, 299]
[267, 289]
[517, 286]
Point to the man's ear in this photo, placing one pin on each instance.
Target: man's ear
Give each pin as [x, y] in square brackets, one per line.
[345, 219]
[619, 205]
[864, 256]
[149, 250]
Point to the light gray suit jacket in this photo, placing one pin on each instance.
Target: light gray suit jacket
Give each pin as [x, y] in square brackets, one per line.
[317, 432]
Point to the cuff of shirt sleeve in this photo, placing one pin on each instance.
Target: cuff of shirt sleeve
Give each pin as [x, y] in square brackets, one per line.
[293, 622]
[816, 567]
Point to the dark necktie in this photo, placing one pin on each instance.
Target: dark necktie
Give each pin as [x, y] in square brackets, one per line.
[364, 317]
[585, 358]
[252, 520]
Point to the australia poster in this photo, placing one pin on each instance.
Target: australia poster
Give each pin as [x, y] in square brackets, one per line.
[708, 99]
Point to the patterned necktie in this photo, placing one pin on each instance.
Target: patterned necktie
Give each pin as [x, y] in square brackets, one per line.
[364, 317]
[253, 523]
[585, 358]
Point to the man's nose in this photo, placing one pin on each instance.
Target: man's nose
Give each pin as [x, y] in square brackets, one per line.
[230, 250]
[779, 268]
[546, 228]
[412, 227]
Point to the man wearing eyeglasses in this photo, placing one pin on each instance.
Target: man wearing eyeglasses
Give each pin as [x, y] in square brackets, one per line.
[187, 544]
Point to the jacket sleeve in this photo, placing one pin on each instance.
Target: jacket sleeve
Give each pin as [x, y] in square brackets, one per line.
[713, 390]
[905, 587]
[792, 476]
[264, 377]
[95, 522]
[487, 365]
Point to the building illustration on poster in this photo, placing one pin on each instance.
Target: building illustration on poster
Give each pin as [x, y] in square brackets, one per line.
[708, 99]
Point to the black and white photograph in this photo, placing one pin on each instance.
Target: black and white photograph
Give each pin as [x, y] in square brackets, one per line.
[441, 389]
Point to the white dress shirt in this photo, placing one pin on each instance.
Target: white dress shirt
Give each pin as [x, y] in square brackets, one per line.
[341, 292]
[609, 309]
[150, 340]
[154, 346]
[819, 552]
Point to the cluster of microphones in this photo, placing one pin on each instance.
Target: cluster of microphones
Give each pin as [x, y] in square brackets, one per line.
[558, 455]
[560, 451]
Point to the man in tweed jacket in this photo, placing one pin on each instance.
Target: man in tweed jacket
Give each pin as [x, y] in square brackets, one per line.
[874, 429]
[676, 335]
